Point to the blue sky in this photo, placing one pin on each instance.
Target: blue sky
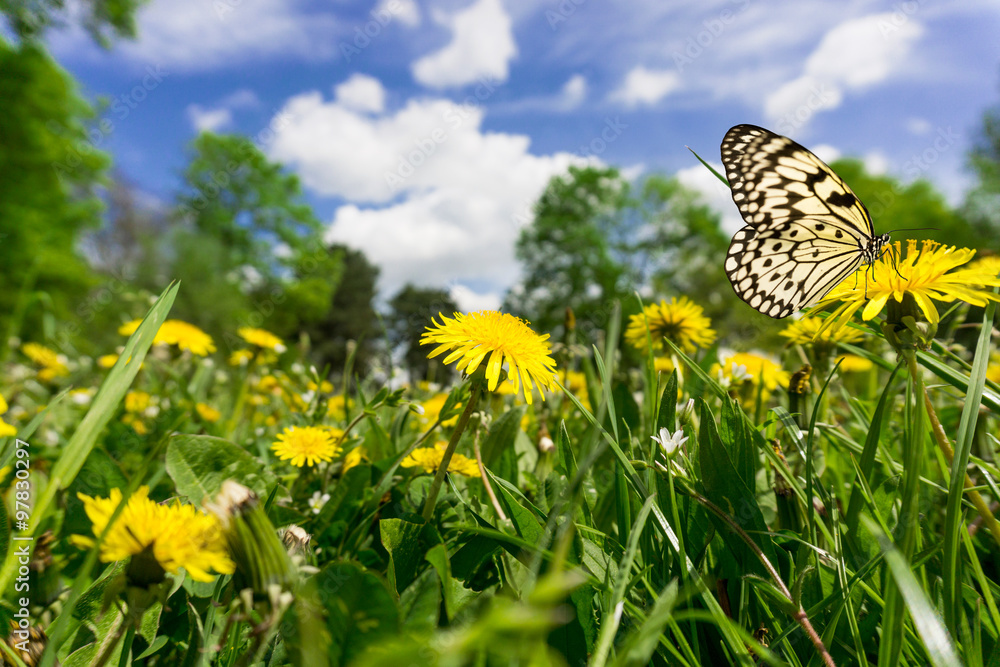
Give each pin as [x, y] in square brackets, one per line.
[423, 131]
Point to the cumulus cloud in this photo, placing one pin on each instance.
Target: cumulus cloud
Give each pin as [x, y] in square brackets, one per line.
[431, 197]
[208, 120]
[361, 93]
[646, 86]
[715, 194]
[853, 56]
[199, 35]
[482, 46]
[406, 12]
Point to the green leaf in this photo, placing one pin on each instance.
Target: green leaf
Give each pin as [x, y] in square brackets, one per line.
[501, 437]
[936, 640]
[420, 603]
[199, 464]
[361, 610]
[401, 539]
[666, 415]
[638, 647]
[725, 488]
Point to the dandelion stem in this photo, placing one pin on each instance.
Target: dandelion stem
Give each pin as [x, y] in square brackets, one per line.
[456, 435]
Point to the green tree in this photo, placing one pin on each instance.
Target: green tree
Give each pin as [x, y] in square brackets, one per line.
[103, 19]
[410, 313]
[982, 204]
[49, 174]
[572, 252]
[244, 216]
[894, 205]
[351, 317]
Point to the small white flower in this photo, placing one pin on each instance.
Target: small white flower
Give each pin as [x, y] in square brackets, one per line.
[670, 441]
[308, 396]
[416, 407]
[738, 372]
[317, 501]
[545, 444]
[685, 411]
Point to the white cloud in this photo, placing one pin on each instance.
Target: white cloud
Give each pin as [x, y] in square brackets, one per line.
[646, 86]
[200, 34]
[876, 163]
[208, 120]
[826, 152]
[361, 93]
[851, 57]
[714, 192]
[918, 126]
[574, 91]
[244, 98]
[469, 301]
[406, 11]
[482, 46]
[433, 199]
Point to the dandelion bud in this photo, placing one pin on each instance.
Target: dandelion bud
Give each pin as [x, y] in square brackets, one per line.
[261, 559]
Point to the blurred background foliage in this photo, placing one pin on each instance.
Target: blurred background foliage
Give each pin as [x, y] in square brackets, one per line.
[248, 248]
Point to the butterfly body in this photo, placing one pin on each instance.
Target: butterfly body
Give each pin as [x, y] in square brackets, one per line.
[805, 230]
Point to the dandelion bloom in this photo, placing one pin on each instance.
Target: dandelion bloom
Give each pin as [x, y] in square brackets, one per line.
[682, 322]
[240, 358]
[177, 536]
[137, 401]
[53, 364]
[429, 458]
[353, 458]
[432, 410]
[107, 360]
[305, 445]
[852, 363]
[743, 366]
[207, 412]
[176, 332]
[810, 330]
[505, 338]
[261, 338]
[926, 274]
[5, 428]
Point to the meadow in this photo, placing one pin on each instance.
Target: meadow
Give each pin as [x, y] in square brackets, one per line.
[827, 501]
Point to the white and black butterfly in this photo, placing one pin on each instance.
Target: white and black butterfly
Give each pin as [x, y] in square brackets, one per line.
[806, 231]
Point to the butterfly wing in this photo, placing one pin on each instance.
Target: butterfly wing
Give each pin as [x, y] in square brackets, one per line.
[806, 231]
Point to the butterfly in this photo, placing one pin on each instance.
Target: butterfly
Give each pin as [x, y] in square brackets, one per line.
[806, 231]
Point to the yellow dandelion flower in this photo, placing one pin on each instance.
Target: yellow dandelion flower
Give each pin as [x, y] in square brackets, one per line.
[747, 366]
[305, 445]
[663, 364]
[429, 458]
[129, 328]
[325, 387]
[6, 429]
[989, 264]
[470, 338]
[432, 410]
[240, 358]
[681, 321]
[53, 364]
[137, 401]
[108, 360]
[926, 274]
[176, 332]
[852, 363]
[336, 407]
[178, 536]
[186, 337]
[353, 458]
[261, 338]
[207, 412]
[136, 423]
[810, 330]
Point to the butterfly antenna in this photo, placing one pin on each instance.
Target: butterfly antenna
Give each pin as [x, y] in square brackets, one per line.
[915, 229]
